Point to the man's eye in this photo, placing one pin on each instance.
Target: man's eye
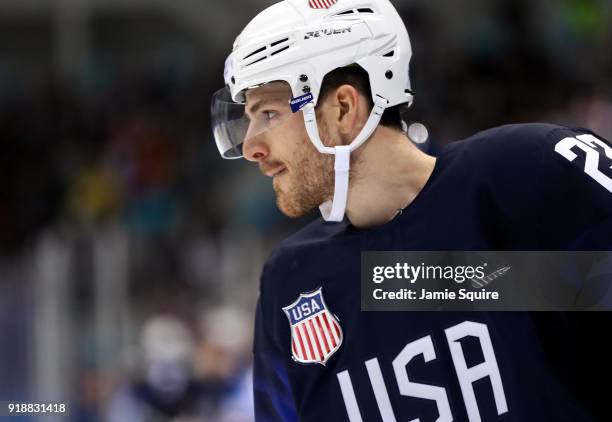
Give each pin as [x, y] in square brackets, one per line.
[269, 115]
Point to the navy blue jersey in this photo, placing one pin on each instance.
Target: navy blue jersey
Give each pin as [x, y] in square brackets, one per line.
[518, 187]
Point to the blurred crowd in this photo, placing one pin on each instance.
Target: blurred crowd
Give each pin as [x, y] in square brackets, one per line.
[128, 155]
[181, 380]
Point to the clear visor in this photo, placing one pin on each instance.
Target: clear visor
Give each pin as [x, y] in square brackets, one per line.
[266, 108]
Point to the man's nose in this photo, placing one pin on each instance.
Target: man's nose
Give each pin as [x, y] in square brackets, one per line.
[255, 148]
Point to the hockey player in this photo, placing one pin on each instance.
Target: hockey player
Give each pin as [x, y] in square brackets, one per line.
[313, 95]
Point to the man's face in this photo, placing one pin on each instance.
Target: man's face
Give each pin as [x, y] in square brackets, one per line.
[277, 140]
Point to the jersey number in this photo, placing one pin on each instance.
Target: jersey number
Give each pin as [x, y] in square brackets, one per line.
[588, 144]
[424, 346]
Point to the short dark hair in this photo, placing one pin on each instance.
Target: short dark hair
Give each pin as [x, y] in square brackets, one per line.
[356, 76]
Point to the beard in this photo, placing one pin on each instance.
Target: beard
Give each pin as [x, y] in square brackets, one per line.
[308, 183]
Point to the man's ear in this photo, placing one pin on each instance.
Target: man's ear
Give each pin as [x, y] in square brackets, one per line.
[344, 113]
[347, 99]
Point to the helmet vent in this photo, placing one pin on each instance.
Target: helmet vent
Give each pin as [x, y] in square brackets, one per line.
[280, 46]
[256, 61]
[275, 43]
[280, 51]
[389, 54]
[255, 52]
[361, 10]
[266, 52]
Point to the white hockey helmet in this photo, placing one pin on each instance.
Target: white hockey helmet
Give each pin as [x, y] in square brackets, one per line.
[299, 42]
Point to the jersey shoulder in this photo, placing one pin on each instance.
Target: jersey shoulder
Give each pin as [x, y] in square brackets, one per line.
[292, 251]
[513, 153]
[516, 139]
[551, 181]
[312, 235]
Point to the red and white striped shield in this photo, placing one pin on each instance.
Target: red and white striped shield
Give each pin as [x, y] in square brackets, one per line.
[315, 332]
[321, 4]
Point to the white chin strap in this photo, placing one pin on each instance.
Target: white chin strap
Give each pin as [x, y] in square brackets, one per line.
[333, 211]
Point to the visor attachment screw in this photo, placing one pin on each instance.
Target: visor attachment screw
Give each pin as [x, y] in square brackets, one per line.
[306, 89]
[389, 74]
[303, 78]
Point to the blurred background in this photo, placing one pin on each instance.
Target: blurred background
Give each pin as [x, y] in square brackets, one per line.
[130, 252]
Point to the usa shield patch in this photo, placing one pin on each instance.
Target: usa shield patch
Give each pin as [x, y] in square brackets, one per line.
[315, 332]
[321, 4]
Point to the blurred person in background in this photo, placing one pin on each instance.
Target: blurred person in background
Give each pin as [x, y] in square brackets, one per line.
[224, 360]
[166, 389]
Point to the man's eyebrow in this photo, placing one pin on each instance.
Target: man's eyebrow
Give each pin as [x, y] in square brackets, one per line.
[274, 99]
[253, 109]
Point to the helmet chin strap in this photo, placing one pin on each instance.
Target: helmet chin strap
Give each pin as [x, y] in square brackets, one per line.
[333, 211]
